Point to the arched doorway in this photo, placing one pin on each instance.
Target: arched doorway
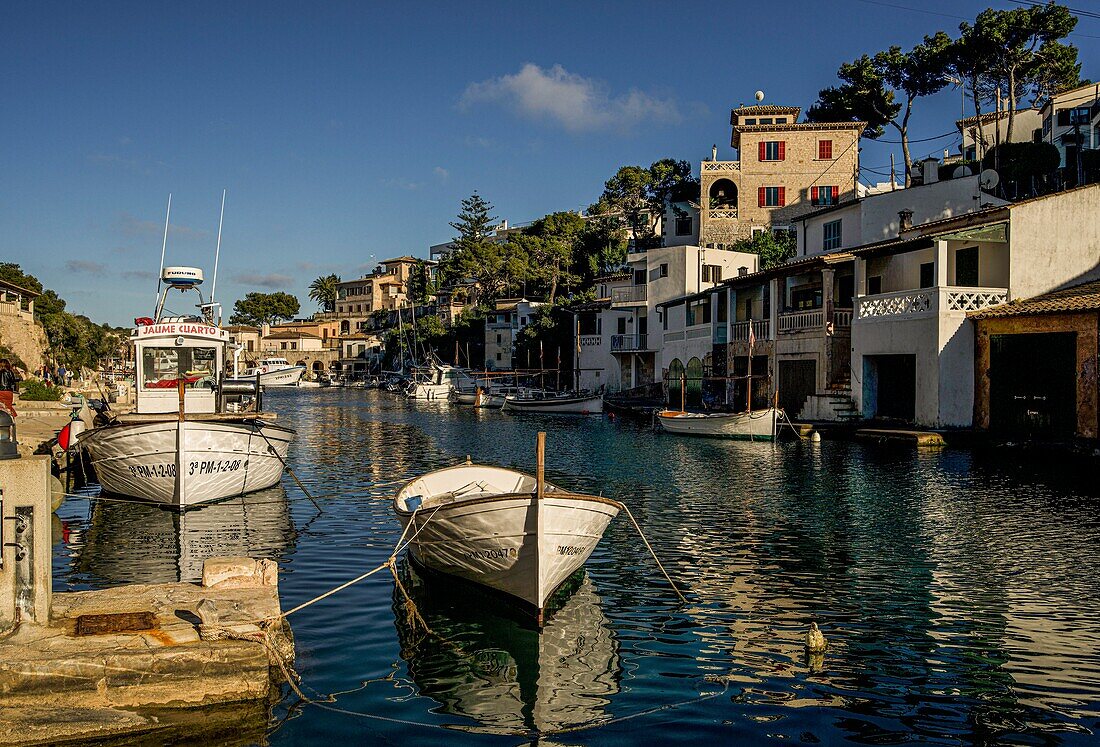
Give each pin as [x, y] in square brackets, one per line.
[318, 366]
[345, 327]
[675, 381]
[723, 194]
[694, 376]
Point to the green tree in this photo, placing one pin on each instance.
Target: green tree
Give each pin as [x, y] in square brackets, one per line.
[641, 196]
[257, 309]
[773, 248]
[1024, 53]
[474, 256]
[419, 288]
[324, 291]
[871, 85]
[12, 273]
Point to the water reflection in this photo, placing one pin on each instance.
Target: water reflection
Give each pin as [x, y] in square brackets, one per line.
[484, 663]
[132, 542]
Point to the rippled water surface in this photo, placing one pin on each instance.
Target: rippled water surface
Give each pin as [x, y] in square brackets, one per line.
[959, 591]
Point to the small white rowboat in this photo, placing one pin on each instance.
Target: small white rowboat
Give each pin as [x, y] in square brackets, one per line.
[757, 425]
[494, 527]
[574, 404]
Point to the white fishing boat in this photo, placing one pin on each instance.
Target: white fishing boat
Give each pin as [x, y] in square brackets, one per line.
[194, 437]
[503, 529]
[273, 372]
[755, 425]
[572, 403]
[465, 397]
[437, 382]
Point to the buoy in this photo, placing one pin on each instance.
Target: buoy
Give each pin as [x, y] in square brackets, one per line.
[815, 437]
[815, 641]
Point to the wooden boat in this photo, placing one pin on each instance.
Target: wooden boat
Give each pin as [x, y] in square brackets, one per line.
[577, 404]
[755, 425]
[503, 529]
[194, 436]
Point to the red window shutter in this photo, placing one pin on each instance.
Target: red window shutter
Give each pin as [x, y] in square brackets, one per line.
[782, 150]
[836, 191]
[761, 198]
[763, 150]
[824, 149]
[782, 196]
[813, 195]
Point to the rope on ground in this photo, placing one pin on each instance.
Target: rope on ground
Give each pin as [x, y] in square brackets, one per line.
[651, 552]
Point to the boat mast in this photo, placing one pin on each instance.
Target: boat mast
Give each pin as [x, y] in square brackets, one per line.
[217, 253]
[748, 381]
[163, 248]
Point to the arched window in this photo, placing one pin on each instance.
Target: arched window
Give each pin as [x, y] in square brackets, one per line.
[723, 194]
[694, 378]
[675, 381]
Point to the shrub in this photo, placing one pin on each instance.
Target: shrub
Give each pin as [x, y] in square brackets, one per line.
[1020, 162]
[39, 391]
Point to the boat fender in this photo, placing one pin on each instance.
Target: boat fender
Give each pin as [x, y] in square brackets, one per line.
[815, 640]
[413, 502]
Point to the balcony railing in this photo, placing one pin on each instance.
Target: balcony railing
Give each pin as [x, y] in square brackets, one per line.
[739, 331]
[812, 319]
[591, 341]
[927, 302]
[721, 166]
[722, 213]
[629, 343]
[631, 295]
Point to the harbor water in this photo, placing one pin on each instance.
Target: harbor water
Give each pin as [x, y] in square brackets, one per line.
[959, 591]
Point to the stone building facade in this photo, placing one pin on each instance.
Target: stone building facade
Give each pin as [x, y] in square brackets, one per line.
[786, 169]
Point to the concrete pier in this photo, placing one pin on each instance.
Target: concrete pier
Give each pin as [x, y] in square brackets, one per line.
[139, 658]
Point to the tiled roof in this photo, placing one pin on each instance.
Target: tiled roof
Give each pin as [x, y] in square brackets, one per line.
[289, 335]
[766, 108]
[1081, 297]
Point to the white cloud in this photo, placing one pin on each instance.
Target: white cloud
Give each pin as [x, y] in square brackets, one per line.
[441, 172]
[133, 227]
[573, 101]
[83, 265]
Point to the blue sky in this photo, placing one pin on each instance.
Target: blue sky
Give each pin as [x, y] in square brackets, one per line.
[347, 133]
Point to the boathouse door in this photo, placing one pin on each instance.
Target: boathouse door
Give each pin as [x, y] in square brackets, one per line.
[1033, 383]
[797, 381]
[890, 386]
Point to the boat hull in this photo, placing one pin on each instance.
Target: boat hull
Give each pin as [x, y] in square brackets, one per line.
[182, 464]
[464, 398]
[430, 391]
[758, 425]
[280, 377]
[569, 405]
[515, 544]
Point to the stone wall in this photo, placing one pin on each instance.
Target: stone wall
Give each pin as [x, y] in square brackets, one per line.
[25, 338]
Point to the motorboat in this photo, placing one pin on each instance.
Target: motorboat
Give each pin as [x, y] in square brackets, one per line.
[437, 382]
[754, 425]
[194, 436]
[577, 403]
[513, 533]
[273, 372]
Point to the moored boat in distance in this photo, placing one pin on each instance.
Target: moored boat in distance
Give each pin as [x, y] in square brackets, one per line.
[194, 436]
[503, 529]
[569, 402]
[754, 425]
[273, 372]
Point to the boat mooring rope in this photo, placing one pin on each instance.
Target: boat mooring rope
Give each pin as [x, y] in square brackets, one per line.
[286, 466]
[651, 552]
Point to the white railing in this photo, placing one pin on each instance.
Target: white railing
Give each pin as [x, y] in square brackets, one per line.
[739, 331]
[973, 299]
[722, 213]
[12, 308]
[842, 317]
[591, 341]
[721, 166]
[799, 321]
[927, 301]
[630, 295]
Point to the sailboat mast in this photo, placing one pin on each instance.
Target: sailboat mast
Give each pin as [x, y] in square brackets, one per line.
[163, 248]
[217, 254]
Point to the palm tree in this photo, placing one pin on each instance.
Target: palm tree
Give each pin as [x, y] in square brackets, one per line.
[323, 291]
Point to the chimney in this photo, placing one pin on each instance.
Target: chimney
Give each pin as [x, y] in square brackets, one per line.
[905, 220]
[930, 167]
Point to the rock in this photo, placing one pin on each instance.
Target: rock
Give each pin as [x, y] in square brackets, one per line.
[815, 640]
[239, 573]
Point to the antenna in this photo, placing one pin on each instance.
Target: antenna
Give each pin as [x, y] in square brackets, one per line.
[164, 244]
[217, 251]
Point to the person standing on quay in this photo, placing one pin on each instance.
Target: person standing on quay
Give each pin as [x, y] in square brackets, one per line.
[9, 385]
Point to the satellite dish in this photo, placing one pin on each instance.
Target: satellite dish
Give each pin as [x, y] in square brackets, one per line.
[960, 172]
[989, 179]
[759, 95]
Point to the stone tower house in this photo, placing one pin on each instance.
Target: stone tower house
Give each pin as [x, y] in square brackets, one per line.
[786, 168]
